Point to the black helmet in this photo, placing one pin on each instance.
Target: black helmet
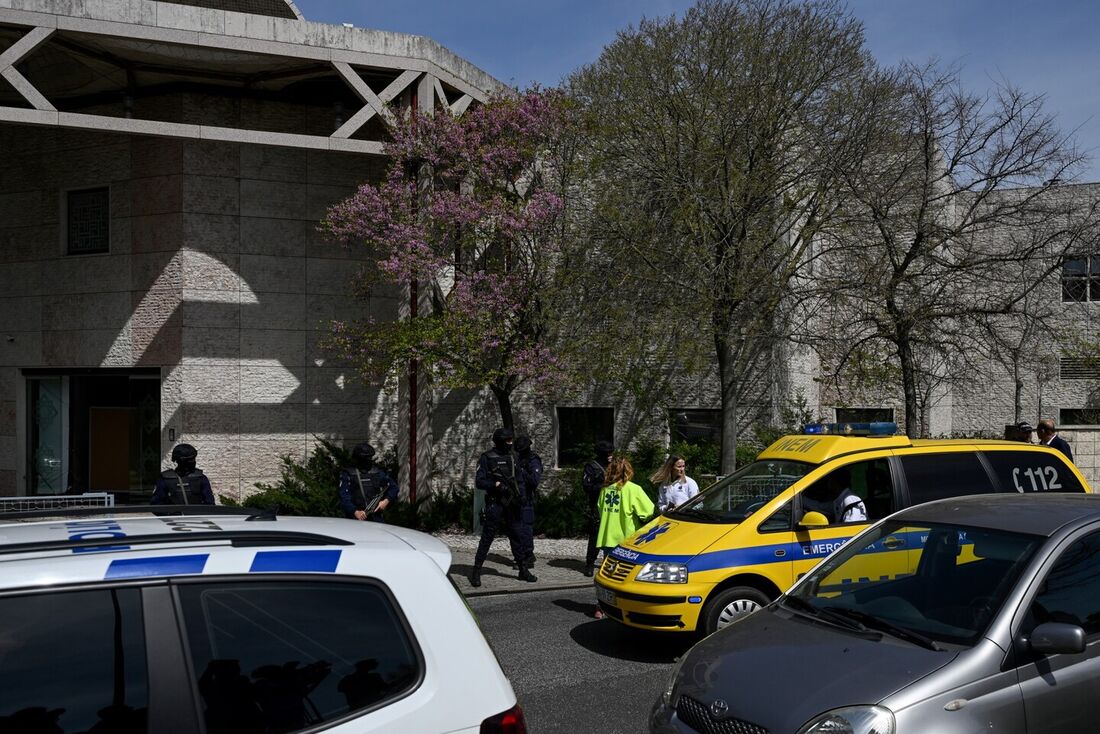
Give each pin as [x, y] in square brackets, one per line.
[604, 449]
[501, 437]
[183, 452]
[523, 444]
[363, 455]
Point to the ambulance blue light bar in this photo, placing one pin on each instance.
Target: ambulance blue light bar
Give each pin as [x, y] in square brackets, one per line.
[881, 428]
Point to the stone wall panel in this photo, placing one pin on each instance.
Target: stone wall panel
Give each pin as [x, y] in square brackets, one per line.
[275, 311]
[277, 237]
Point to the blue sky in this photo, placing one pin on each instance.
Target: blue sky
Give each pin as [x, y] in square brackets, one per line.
[1047, 48]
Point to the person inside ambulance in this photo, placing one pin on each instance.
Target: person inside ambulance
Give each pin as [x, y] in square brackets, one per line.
[834, 498]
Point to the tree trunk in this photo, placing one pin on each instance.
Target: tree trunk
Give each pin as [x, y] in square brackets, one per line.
[909, 383]
[504, 403]
[726, 381]
[1018, 404]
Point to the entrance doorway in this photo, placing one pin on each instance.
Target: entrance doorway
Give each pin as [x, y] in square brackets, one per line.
[93, 431]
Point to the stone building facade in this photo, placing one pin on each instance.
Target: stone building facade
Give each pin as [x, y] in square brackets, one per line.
[162, 277]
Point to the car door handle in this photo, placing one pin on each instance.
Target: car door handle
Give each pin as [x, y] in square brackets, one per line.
[780, 553]
[892, 543]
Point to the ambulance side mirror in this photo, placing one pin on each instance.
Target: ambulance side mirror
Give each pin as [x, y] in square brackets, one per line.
[813, 520]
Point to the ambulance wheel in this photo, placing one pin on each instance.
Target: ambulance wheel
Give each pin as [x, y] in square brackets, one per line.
[730, 605]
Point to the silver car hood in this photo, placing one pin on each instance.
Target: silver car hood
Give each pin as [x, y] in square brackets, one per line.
[777, 669]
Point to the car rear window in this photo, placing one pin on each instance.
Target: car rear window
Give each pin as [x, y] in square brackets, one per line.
[1032, 471]
[285, 656]
[938, 476]
[73, 662]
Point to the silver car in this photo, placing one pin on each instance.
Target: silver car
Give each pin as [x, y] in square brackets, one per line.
[975, 614]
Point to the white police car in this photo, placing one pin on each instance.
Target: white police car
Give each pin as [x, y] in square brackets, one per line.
[226, 620]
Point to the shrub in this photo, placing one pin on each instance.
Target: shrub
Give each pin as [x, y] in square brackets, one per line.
[305, 489]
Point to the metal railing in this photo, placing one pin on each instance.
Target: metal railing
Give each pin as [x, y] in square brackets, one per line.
[53, 502]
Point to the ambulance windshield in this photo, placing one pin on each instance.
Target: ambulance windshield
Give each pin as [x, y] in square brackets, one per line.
[736, 497]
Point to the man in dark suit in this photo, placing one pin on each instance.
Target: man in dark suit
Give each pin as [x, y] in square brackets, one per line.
[1049, 437]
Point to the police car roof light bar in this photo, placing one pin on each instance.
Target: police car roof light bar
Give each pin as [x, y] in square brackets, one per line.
[235, 538]
[247, 512]
[878, 428]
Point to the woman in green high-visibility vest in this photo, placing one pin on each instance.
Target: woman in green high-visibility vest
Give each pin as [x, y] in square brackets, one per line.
[624, 507]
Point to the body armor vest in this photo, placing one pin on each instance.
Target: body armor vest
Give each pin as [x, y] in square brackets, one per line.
[185, 490]
[366, 488]
[502, 467]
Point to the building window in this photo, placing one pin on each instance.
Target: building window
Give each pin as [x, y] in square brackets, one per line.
[578, 431]
[88, 221]
[1079, 417]
[1079, 368]
[694, 425]
[1081, 278]
[864, 415]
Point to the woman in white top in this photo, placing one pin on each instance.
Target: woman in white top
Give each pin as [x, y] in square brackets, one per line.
[675, 487]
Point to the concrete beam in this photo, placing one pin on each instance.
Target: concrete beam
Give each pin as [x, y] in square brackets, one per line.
[27, 89]
[21, 48]
[16, 53]
[424, 55]
[378, 105]
[47, 118]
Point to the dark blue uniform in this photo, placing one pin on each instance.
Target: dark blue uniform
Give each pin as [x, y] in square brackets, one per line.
[192, 488]
[371, 481]
[504, 504]
[532, 466]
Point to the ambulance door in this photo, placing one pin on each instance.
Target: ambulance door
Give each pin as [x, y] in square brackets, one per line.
[872, 482]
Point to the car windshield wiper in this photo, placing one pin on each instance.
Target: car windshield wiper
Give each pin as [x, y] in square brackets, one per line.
[889, 628]
[800, 604]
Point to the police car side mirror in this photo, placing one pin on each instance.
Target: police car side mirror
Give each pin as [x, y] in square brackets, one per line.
[813, 520]
[1057, 638]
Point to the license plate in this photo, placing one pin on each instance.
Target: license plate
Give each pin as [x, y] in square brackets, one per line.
[605, 595]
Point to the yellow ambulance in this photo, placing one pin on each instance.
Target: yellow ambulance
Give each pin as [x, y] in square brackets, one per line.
[744, 540]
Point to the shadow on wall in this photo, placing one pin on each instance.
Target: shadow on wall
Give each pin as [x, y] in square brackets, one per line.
[248, 378]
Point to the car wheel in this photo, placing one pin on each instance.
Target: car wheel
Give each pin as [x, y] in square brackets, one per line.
[730, 605]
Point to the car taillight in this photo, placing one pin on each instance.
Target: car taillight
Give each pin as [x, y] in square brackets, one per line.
[509, 722]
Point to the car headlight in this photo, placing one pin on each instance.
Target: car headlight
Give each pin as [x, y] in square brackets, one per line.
[663, 573]
[852, 720]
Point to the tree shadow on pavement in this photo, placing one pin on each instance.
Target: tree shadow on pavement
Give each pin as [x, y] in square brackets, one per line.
[611, 639]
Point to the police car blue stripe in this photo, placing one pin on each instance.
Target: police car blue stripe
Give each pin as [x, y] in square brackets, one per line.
[125, 568]
[321, 561]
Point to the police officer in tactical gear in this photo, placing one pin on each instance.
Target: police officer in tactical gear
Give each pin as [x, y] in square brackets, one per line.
[365, 488]
[593, 481]
[186, 484]
[532, 466]
[505, 484]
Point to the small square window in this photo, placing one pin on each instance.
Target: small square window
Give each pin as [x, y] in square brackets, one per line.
[1079, 417]
[578, 431]
[864, 415]
[695, 425]
[88, 221]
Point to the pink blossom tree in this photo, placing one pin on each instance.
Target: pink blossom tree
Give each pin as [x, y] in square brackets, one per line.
[471, 208]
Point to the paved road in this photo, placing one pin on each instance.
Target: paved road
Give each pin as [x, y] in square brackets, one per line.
[571, 672]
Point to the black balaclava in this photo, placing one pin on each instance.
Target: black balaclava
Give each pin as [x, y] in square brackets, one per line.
[604, 449]
[501, 437]
[183, 456]
[363, 456]
[523, 446]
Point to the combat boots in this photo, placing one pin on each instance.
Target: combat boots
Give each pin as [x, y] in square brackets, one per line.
[475, 576]
[526, 575]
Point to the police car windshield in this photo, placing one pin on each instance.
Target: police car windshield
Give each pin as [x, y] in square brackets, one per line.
[734, 498]
[940, 583]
